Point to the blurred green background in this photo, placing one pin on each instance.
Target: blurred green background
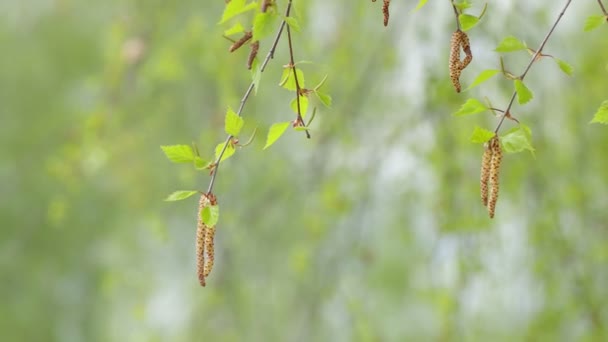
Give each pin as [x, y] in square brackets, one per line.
[371, 231]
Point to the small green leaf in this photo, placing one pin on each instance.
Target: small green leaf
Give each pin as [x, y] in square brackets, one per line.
[233, 123]
[236, 28]
[293, 23]
[481, 135]
[510, 44]
[200, 164]
[180, 195]
[566, 68]
[594, 22]
[178, 153]
[236, 7]
[467, 21]
[472, 106]
[601, 116]
[524, 95]
[517, 139]
[227, 153]
[482, 77]
[420, 4]
[263, 25]
[324, 98]
[275, 132]
[462, 5]
[289, 82]
[303, 105]
[210, 215]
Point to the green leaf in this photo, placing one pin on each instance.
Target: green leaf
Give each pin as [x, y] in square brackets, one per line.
[263, 25]
[524, 95]
[236, 28]
[227, 153]
[303, 105]
[482, 77]
[200, 164]
[510, 44]
[256, 75]
[275, 132]
[180, 195]
[472, 106]
[517, 139]
[288, 82]
[601, 116]
[594, 22]
[179, 153]
[236, 7]
[324, 98]
[467, 21]
[481, 135]
[462, 5]
[233, 123]
[566, 68]
[293, 23]
[420, 4]
[210, 215]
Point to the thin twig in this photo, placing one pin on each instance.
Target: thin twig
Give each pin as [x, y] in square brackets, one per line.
[602, 7]
[292, 64]
[532, 60]
[269, 56]
[456, 14]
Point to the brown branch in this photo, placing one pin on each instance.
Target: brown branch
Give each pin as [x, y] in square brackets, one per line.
[292, 65]
[532, 60]
[245, 97]
[602, 7]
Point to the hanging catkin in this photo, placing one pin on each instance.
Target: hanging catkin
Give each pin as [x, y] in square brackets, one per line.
[494, 175]
[246, 36]
[255, 46]
[385, 11]
[209, 250]
[459, 41]
[485, 173]
[200, 240]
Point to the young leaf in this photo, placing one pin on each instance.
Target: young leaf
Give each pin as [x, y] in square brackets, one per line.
[303, 105]
[236, 7]
[179, 153]
[467, 21]
[236, 28]
[510, 44]
[524, 95]
[289, 82]
[472, 106]
[594, 22]
[481, 135]
[275, 132]
[517, 139]
[293, 23]
[233, 123]
[601, 116]
[262, 25]
[324, 98]
[420, 4]
[566, 68]
[482, 77]
[227, 153]
[180, 195]
[210, 215]
[200, 164]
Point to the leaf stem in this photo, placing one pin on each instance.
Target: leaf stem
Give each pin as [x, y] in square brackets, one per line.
[292, 65]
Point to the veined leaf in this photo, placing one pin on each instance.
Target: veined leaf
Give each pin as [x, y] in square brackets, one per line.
[262, 25]
[288, 82]
[524, 95]
[233, 123]
[293, 23]
[482, 77]
[303, 105]
[236, 7]
[210, 215]
[601, 115]
[467, 21]
[236, 28]
[594, 22]
[517, 139]
[324, 98]
[178, 153]
[227, 153]
[180, 195]
[565, 67]
[481, 135]
[472, 106]
[510, 44]
[275, 132]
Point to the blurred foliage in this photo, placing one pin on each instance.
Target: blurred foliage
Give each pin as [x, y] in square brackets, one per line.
[371, 231]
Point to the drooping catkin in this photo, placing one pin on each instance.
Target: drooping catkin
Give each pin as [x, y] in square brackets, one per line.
[255, 46]
[209, 250]
[485, 173]
[385, 11]
[200, 240]
[494, 175]
[459, 41]
[246, 36]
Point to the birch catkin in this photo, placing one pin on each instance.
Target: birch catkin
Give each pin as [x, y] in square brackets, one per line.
[200, 240]
[255, 46]
[485, 173]
[246, 36]
[459, 41]
[209, 251]
[385, 11]
[494, 175]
